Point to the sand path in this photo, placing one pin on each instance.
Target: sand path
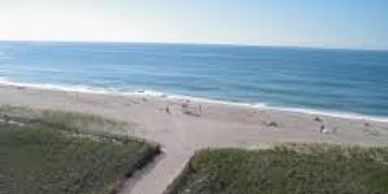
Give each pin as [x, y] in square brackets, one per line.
[175, 125]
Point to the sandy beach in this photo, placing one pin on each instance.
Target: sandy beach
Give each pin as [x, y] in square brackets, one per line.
[184, 126]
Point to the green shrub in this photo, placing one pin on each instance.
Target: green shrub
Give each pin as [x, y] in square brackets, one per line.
[297, 169]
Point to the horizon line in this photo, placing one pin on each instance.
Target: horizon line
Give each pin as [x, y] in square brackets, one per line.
[201, 43]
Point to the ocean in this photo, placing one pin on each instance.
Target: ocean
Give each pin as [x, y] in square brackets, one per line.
[332, 81]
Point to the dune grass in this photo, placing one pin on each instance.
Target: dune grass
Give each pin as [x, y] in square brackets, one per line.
[70, 121]
[44, 155]
[297, 169]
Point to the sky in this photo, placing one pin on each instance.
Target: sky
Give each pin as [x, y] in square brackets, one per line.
[361, 24]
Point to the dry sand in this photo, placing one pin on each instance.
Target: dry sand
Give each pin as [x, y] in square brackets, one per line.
[183, 127]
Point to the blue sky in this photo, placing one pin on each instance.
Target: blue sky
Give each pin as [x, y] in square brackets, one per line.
[317, 23]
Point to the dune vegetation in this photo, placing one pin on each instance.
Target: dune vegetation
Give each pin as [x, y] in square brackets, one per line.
[292, 169]
[49, 152]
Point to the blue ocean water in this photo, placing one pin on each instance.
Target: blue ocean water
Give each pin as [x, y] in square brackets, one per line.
[328, 80]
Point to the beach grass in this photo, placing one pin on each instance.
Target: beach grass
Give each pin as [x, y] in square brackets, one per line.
[65, 120]
[45, 155]
[291, 169]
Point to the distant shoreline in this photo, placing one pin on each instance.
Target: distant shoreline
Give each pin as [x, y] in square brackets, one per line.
[157, 94]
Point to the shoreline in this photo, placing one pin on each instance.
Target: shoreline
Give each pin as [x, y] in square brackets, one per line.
[156, 94]
[219, 109]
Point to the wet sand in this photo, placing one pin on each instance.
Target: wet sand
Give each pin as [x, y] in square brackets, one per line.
[182, 127]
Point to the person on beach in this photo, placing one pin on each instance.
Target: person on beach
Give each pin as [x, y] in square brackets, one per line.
[322, 129]
[317, 119]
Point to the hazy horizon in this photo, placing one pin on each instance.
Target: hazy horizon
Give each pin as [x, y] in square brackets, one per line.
[194, 43]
